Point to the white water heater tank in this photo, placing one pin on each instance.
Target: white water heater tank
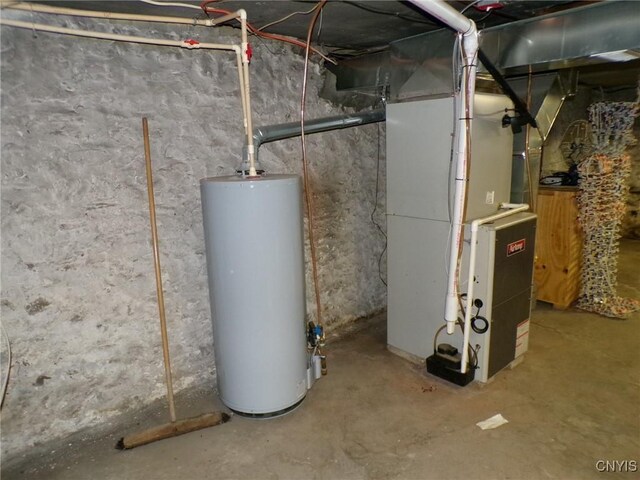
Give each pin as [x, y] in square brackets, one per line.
[255, 264]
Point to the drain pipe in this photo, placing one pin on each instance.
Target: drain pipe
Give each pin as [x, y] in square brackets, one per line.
[281, 131]
[467, 29]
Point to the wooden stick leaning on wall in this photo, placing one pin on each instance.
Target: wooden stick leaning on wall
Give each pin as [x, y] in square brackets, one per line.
[175, 427]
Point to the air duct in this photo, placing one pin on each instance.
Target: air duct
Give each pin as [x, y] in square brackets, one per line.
[421, 65]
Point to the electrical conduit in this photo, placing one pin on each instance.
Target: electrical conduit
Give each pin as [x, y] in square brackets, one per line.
[467, 28]
[511, 209]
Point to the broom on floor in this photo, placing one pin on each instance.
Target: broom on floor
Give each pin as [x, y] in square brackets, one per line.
[175, 427]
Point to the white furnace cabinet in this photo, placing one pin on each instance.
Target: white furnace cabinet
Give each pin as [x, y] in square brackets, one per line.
[420, 187]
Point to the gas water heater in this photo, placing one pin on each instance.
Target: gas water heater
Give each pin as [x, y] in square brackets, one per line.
[255, 265]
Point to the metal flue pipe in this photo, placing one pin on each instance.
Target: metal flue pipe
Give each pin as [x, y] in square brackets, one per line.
[281, 131]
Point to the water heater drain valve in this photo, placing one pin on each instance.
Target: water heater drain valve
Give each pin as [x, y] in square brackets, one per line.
[315, 335]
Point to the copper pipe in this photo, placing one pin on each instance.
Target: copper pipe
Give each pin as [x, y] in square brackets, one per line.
[527, 137]
[305, 173]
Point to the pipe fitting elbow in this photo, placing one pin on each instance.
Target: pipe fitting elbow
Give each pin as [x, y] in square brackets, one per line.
[471, 42]
[472, 31]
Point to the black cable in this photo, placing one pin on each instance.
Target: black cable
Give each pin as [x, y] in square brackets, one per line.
[485, 17]
[461, 304]
[351, 53]
[490, 11]
[264, 44]
[469, 347]
[472, 351]
[435, 337]
[389, 13]
[469, 6]
[479, 330]
[375, 209]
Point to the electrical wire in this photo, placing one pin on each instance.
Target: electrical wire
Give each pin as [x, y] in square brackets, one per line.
[401, 16]
[469, 6]
[532, 199]
[265, 45]
[477, 329]
[272, 36]
[350, 53]
[485, 17]
[275, 22]
[472, 351]
[489, 11]
[5, 382]
[305, 168]
[319, 27]
[373, 212]
[474, 363]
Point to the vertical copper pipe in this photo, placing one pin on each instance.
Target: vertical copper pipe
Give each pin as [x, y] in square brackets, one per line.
[305, 173]
[156, 263]
[527, 148]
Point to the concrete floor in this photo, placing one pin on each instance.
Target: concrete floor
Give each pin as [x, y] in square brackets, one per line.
[573, 401]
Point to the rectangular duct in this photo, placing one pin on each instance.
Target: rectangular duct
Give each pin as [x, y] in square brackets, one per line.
[421, 65]
[571, 38]
[548, 93]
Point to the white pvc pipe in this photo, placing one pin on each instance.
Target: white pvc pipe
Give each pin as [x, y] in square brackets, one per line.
[242, 57]
[245, 63]
[188, 44]
[133, 17]
[467, 28]
[243, 97]
[446, 14]
[512, 208]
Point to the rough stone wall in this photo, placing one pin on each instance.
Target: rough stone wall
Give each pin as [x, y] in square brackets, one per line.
[78, 292]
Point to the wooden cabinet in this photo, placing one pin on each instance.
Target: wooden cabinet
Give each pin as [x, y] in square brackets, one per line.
[558, 247]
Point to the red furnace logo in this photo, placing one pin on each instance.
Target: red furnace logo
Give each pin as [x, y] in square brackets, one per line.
[516, 247]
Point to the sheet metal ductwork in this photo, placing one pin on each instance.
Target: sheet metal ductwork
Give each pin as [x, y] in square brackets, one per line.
[421, 65]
